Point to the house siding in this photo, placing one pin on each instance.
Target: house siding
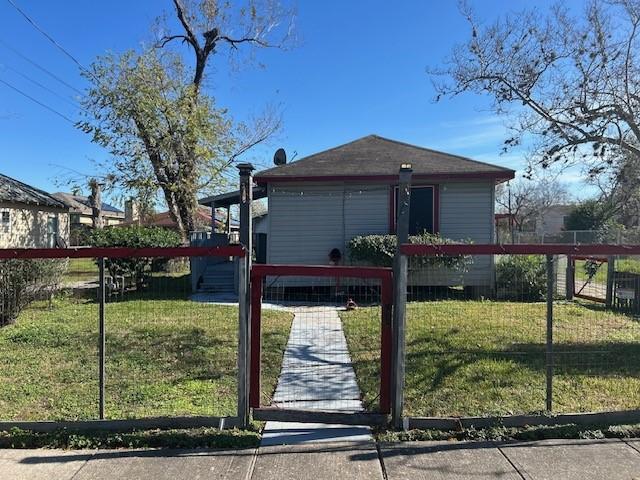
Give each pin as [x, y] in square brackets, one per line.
[29, 226]
[466, 213]
[306, 221]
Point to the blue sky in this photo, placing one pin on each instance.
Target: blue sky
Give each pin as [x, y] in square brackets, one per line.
[359, 68]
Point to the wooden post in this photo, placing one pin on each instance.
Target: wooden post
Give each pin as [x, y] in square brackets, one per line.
[549, 352]
[244, 292]
[386, 344]
[101, 337]
[256, 342]
[570, 276]
[400, 274]
[611, 272]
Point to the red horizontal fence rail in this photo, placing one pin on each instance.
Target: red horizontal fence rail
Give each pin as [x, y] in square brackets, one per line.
[121, 252]
[523, 249]
[385, 275]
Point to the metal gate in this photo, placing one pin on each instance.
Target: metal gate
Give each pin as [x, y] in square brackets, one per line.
[320, 380]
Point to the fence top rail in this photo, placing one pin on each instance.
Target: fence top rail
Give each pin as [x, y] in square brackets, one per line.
[121, 252]
[263, 270]
[519, 249]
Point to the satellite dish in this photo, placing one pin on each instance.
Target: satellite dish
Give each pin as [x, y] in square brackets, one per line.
[280, 157]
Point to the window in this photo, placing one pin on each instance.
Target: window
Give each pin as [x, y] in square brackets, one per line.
[74, 218]
[422, 212]
[5, 221]
[52, 231]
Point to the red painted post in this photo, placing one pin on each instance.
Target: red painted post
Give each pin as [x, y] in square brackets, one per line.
[386, 344]
[256, 341]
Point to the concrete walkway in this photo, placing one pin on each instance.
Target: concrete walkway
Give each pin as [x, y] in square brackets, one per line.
[316, 374]
[543, 460]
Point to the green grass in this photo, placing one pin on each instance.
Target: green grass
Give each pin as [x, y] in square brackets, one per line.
[628, 265]
[528, 433]
[622, 265]
[166, 355]
[81, 269]
[488, 358]
[179, 438]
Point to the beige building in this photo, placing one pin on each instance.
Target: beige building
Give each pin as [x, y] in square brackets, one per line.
[31, 218]
[81, 214]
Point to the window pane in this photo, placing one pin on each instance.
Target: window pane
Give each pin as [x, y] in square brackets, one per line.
[421, 211]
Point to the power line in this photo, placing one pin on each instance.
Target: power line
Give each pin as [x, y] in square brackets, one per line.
[35, 64]
[47, 36]
[62, 115]
[44, 87]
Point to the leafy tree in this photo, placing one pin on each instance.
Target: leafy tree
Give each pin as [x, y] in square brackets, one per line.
[149, 110]
[571, 84]
[588, 215]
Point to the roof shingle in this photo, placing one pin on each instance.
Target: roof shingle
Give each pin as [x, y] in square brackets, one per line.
[375, 156]
[14, 191]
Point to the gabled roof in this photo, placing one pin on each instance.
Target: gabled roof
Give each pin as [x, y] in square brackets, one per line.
[374, 157]
[81, 204]
[14, 191]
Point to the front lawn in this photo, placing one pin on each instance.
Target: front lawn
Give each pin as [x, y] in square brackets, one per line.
[166, 355]
[488, 358]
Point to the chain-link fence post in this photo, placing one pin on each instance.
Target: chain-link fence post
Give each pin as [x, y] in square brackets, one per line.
[101, 338]
[244, 292]
[549, 350]
[611, 272]
[400, 274]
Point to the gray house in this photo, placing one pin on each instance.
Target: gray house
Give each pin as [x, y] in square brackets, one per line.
[320, 202]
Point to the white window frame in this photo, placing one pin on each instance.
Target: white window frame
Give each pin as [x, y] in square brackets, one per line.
[2, 224]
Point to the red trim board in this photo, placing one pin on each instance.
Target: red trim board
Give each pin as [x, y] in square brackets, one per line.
[121, 252]
[520, 249]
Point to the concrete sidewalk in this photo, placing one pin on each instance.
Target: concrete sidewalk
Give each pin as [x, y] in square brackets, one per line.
[544, 460]
[316, 374]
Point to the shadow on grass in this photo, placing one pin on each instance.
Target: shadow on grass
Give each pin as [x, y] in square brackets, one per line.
[441, 359]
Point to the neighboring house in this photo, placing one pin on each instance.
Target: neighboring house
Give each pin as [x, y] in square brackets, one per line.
[80, 212]
[553, 220]
[163, 219]
[322, 201]
[30, 217]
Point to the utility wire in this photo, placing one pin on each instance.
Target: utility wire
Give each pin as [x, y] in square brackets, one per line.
[47, 36]
[44, 87]
[52, 75]
[38, 102]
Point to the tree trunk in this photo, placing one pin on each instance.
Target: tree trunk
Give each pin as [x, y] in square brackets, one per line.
[95, 200]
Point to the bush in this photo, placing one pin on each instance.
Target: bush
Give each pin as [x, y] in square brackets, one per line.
[379, 250]
[133, 237]
[522, 277]
[23, 281]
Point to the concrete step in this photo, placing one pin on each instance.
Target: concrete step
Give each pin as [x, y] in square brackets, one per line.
[216, 290]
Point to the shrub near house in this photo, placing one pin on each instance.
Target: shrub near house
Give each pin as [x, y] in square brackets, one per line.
[23, 281]
[379, 250]
[133, 237]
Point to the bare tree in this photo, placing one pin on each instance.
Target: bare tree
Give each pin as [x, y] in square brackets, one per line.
[528, 200]
[571, 84]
